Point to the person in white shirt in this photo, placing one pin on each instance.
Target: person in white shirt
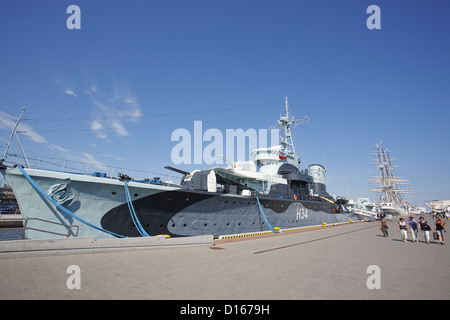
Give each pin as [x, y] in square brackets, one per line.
[402, 229]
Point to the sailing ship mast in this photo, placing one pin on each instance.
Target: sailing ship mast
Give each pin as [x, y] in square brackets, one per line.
[388, 184]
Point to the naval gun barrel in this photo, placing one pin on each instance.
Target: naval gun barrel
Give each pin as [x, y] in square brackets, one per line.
[177, 170]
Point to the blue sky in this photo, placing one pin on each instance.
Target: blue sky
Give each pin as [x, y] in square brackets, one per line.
[115, 90]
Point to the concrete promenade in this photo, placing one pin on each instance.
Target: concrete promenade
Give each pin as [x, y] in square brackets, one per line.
[322, 263]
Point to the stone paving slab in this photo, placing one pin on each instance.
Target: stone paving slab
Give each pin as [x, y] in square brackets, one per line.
[323, 263]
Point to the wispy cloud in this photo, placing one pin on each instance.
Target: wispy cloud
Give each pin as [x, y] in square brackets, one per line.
[70, 92]
[115, 109]
[96, 125]
[54, 146]
[91, 90]
[89, 158]
[80, 160]
[8, 121]
[65, 85]
[119, 128]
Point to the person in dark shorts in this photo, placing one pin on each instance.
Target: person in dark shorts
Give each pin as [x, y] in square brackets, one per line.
[440, 229]
[384, 226]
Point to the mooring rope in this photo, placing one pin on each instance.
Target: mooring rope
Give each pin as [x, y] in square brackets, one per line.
[264, 217]
[59, 206]
[134, 217]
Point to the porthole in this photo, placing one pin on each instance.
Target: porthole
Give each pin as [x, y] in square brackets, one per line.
[113, 193]
[136, 194]
[187, 199]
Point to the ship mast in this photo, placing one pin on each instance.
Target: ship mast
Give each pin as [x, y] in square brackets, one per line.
[13, 132]
[287, 144]
[389, 184]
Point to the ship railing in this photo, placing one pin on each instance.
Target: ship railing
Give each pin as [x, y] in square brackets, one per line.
[89, 168]
[365, 212]
[72, 230]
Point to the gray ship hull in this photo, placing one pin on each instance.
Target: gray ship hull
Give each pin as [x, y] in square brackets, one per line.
[160, 209]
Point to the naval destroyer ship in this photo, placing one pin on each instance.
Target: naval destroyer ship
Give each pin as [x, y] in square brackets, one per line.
[270, 193]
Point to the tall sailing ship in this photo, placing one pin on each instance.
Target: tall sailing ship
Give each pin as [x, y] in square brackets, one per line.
[389, 186]
[266, 194]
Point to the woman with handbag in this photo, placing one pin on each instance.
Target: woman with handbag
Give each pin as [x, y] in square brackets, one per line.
[440, 229]
[425, 228]
[402, 229]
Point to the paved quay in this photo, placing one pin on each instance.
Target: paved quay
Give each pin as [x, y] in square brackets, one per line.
[321, 263]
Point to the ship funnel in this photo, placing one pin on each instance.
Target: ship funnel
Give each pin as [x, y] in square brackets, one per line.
[317, 172]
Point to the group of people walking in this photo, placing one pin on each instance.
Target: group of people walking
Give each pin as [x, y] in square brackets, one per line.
[415, 227]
